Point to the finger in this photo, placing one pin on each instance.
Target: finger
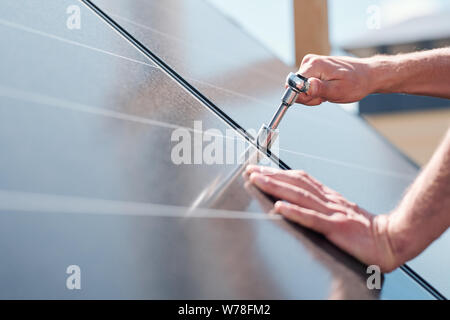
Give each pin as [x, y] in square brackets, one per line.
[318, 67]
[294, 177]
[318, 88]
[313, 181]
[263, 201]
[306, 217]
[261, 169]
[316, 94]
[314, 102]
[319, 185]
[303, 98]
[307, 100]
[291, 193]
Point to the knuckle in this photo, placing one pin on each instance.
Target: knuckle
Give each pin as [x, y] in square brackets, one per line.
[315, 62]
[339, 220]
[306, 175]
[301, 193]
[269, 182]
[333, 198]
[353, 206]
[333, 207]
[300, 173]
[297, 178]
[308, 57]
[314, 89]
[304, 99]
[274, 188]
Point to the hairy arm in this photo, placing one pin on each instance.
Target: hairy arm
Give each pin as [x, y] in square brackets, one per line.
[387, 240]
[424, 213]
[347, 79]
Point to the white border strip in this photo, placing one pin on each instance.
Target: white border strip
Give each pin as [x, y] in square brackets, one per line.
[231, 92]
[41, 99]
[79, 44]
[60, 103]
[48, 203]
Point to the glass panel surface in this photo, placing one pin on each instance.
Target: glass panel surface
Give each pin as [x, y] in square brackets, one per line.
[87, 177]
[246, 81]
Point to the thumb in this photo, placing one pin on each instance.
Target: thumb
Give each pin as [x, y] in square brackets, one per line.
[317, 93]
[318, 89]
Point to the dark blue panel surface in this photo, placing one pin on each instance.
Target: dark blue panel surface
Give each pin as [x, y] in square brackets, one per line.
[87, 178]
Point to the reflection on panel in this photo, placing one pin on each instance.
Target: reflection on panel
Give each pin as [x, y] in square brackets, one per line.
[155, 257]
[89, 176]
[67, 22]
[212, 54]
[326, 141]
[245, 81]
[78, 121]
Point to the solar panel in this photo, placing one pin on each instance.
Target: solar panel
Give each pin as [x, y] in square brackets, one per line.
[244, 81]
[243, 78]
[86, 122]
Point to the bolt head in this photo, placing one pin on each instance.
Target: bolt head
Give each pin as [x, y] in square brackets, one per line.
[297, 82]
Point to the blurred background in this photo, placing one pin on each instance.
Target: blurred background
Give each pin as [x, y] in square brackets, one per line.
[292, 28]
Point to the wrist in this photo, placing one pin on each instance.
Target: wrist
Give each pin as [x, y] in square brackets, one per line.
[383, 74]
[402, 235]
[390, 257]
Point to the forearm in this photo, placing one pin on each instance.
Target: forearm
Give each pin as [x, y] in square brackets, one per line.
[420, 73]
[424, 213]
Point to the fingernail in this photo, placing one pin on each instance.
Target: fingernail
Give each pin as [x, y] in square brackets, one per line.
[276, 207]
[269, 170]
[278, 204]
[257, 178]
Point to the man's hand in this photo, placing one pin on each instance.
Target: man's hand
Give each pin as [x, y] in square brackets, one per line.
[384, 240]
[335, 79]
[347, 79]
[319, 208]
